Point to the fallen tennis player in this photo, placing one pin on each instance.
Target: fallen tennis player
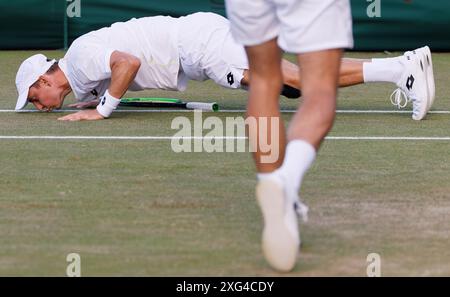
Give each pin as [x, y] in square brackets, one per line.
[102, 65]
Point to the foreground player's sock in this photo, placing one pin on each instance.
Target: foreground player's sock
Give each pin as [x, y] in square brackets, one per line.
[384, 70]
[273, 176]
[299, 157]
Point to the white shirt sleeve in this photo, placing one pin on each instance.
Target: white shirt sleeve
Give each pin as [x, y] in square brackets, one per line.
[99, 67]
[92, 62]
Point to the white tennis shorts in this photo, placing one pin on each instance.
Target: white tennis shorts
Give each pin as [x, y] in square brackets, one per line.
[208, 50]
[301, 25]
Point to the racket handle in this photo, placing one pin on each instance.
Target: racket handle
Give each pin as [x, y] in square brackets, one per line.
[203, 106]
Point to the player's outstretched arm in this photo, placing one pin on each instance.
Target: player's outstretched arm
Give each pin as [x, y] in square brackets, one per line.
[124, 68]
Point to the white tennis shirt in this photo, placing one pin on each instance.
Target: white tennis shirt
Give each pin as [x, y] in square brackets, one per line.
[154, 40]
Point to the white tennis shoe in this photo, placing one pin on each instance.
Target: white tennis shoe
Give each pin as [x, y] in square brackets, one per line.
[426, 53]
[414, 85]
[280, 238]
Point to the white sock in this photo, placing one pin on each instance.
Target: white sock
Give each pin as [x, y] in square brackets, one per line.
[273, 176]
[298, 158]
[384, 70]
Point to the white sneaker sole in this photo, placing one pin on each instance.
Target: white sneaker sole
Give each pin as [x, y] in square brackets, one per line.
[426, 52]
[279, 246]
[420, 59]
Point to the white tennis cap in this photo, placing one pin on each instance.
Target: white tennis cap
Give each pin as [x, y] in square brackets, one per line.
[28, 73]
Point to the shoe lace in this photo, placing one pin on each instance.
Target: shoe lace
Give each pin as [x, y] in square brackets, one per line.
[399, 98]
[302, 210]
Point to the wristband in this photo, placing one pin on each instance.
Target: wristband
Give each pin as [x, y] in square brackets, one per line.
[107, 104]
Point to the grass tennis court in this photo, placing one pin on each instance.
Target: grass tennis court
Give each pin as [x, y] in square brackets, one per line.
[134, 207]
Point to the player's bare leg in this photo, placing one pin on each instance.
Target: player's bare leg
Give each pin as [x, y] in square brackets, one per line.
[265, 86]
[280, 238]
[351, 73]
[319, 73]
[278, 192]
[395, 70]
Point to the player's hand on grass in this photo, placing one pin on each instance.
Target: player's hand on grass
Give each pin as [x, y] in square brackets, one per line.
[83, 115]
[83, 105]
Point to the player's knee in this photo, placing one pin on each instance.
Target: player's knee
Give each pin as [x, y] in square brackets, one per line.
[322, 97]
[323, 105]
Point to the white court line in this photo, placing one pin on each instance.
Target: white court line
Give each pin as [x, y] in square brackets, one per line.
[229, 111]
[354, 111]
[53, 137]
[385, 138]
[119, 110]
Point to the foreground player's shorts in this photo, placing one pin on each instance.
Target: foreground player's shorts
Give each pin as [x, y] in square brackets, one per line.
[301, 25]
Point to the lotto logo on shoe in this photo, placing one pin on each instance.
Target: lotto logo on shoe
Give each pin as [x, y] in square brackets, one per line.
[410, 82]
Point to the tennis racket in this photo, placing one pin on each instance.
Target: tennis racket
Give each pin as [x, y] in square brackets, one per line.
[168, 103]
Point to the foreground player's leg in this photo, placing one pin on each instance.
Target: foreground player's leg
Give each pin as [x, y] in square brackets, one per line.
[307, 129]
[277, 189]
[314, 118]
[280, 239]
[265, 83]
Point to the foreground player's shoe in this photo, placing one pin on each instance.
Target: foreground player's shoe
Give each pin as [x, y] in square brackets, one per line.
[280, 238]
[413, 86]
